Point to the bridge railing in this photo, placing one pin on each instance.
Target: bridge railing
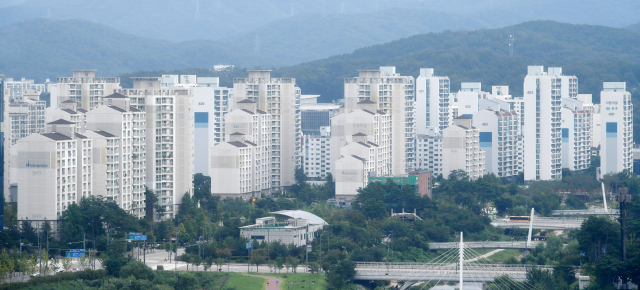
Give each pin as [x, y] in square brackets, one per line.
[488, 244]
[427, 266]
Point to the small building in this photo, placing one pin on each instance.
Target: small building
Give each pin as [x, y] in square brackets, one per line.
[300, 229]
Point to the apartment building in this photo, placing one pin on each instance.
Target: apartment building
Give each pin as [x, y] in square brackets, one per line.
[616, 128]
[211, 103]
[433, 101]
[576, 135]
[393, 95]
[461, 149]
[429, 152]
[280, 98]
[46, 173]
[169, 139]
[543, 94]
[85, 88]
[115, 118]
[498, 138]
[317, 152]
[241, 166]
[16, 89]
[24, 119]
[468, 98]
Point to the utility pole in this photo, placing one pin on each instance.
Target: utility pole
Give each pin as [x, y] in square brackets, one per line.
[623, 197]
[39, 249]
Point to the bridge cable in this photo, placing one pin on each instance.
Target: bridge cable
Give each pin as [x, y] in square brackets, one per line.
[524, 284]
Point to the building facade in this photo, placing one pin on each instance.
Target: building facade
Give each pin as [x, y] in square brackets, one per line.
[433, 102]
[429, 152]
[241, 166]
[498, 138]
[543, 92]
[169, 139]
[317, 153]
[461, 149]
[85, 88]
[576, 135]
[393, 95]
[616, 133]
[280, 98]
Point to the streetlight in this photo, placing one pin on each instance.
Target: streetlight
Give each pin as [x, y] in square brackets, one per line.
[108, 239]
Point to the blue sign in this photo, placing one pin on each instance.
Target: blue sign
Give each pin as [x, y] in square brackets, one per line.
[138, 238]
[248, 246]
[135, 234]
[75, 254]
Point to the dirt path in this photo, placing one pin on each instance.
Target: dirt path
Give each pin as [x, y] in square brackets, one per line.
[485, 255]
[272, 282]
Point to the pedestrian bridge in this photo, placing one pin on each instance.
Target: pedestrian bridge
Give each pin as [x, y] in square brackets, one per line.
[442, 272]
[542, 223]
[586, 212]
[487, 245]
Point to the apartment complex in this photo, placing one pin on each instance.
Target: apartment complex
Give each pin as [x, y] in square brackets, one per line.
[85, 88]
[280, 98]
[169, 139]
[16, 89]
[211, 103]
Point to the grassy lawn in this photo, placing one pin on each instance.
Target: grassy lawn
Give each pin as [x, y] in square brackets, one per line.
[504, 255]
[301, 281]
[242, 282]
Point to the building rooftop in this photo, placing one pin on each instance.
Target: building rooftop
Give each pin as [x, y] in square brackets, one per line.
[61, 122]
[116, 96]
[80, 136]
[366, 102]
[105, 134]
[72, 112]
[236, 133]
[69, 101]
[118, 109]
[246, 101]
[56, 136]
[238, 144]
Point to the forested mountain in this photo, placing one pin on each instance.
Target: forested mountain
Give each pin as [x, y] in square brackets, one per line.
[45, 48]
[310, 37]
[635, 26]
[180, 20]
[593, 53]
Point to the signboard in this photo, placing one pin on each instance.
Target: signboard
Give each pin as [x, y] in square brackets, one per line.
[248, 246]
[75, 253]
[138, 238]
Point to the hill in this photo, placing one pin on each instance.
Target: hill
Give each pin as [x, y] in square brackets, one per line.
[45, 48]
[180, 20]
[309, 37]
[593, 53]
[635, 26]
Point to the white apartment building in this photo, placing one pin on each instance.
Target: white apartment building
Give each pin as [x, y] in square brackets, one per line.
[85, 88]
[125, 182]
[468, 98]
[280, 98]
[616, 133]
[543, 92]
[429, 152]
[70, 111]
[211, 104]
[393, 96]
[576, 135]
[461, 149]
[24, 119]
[317, 153]
[433, 102]
[46, 173]
[169, 139]
[498, 138]
[241, 166]
[15, 89]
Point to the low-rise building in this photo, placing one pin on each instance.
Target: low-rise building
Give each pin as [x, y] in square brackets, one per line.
[299, 230]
